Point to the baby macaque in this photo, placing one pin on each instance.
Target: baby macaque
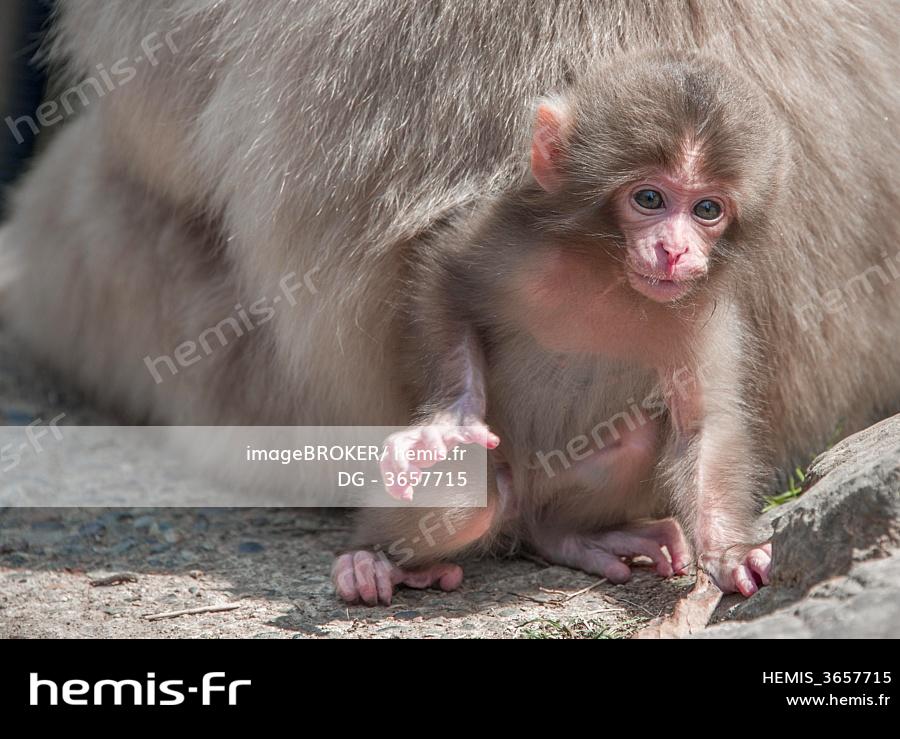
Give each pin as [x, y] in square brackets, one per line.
[589, 330]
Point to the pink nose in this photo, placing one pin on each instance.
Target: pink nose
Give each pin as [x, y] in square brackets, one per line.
[673, 254]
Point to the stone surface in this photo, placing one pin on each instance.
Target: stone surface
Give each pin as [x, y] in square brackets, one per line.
[864, 603]
[836, 566]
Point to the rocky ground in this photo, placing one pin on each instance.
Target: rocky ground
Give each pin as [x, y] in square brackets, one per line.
[106, 572]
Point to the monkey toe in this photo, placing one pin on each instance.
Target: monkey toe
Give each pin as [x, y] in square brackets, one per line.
[363, 577]
[616, 571]
[650, 538]
[744, 581]
[661, 541]
[608, 566]
[585, 555]
[742, 571]
[344, 579]
[667, 533]
[445, 575]
[366, 577]
[759, 562]
[753, 572]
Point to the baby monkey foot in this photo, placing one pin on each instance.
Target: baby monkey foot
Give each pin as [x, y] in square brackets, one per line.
[743, 568]
[413, 448]
[370, 578]
[607, 553]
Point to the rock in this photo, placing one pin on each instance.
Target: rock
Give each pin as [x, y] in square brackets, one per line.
[92, 529]
[171, 536]
[851, 512]
[864, 604]
[124, 546]
[836, 549]
[144, 522]
[53, 524]
[406, 615]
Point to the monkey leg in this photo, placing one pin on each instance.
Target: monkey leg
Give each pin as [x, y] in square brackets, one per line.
[410, 547]
[742, 568]
[604, 553]
[614, 477]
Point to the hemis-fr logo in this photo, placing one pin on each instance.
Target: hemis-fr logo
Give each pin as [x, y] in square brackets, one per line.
[213, 690]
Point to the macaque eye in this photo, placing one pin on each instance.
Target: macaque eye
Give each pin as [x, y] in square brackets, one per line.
[649, 199]
[708, 210]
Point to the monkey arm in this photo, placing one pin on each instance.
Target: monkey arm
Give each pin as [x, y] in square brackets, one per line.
[448, 386]
[454, 389]
[711, 463]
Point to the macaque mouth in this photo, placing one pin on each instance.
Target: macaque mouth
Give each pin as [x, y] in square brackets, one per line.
[658, 288]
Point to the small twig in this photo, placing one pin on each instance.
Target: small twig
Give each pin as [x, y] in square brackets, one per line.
[567, 596]
[588, 589]
[636, 605]
[535, 600]
[553, 591]
[117, 579]
[192, 611]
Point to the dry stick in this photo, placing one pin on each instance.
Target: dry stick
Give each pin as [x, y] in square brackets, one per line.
[535, 600]
[588, 589]
[553, 591]
[567, 596]
[117, 579]
[191, 611]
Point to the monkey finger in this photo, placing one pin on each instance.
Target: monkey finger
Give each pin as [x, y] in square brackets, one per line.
[364, 573]
[597, 562]
[478, 434]
[344, 579]
[744, 581]
[394, 459]
[759, 561]
[396, 476]
[651, 549]
[384, 584]
[672, 537]
[445, 575]
[432, 441]
[401, 442]
[399, 490]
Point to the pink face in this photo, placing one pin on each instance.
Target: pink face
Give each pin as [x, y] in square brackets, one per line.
[671, 220]
[671, 225]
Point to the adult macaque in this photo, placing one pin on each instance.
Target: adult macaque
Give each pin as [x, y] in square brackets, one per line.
[689, 286]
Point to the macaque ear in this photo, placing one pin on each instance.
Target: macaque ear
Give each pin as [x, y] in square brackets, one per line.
[547, 146]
